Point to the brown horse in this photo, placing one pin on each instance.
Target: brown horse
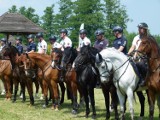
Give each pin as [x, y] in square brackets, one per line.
[5, 75]
[50, 76]
[68, 57]
[150, 50]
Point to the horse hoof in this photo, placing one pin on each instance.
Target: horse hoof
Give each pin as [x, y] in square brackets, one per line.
[140, 118]
[93, 116]
[74, 112]
[9, 99]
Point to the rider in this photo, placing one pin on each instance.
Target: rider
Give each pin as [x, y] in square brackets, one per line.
[53, 42]
[143, 32]
[31, 47]
[85, 40]
[101, 42]
[19, 44]
[120, 42]
[42, 45]
[65, 42]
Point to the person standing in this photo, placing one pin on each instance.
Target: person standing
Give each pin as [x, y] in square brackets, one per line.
[42, 45]
[31, 47]
[120, 42]
[19, 44]
[85, 41]
[101, 42]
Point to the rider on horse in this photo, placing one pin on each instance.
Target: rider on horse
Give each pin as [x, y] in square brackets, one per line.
[19, 44]
[31, 47]
[143, 32]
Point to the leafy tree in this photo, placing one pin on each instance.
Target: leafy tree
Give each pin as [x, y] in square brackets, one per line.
[115, 14]
[48, 20]
[87, 12]
[13, 9]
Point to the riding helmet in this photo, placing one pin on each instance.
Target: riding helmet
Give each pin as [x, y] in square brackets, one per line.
[63, 31]
[31, 36]
[118, 29]
[99, 32]
[143, 25]
[83, 31]
[39, 35]
[53, 38]
[3, 39]
[19, 38]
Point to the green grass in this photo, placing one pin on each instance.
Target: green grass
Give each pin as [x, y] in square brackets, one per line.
[22, 111]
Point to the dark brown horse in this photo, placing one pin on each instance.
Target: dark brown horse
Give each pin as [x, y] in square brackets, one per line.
[149, 49]
[68, 58]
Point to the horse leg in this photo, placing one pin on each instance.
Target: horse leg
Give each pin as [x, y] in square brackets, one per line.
[91, 94]
[55, 94]
[23, 91]
[8, 87]
[121, 98]
[152, 102]
[30, 90]
[37, 87]
[114, 98]
[45, 92]
[61, 84]
[107, 99]
[141, 100]
[74, 93]
[16, 83]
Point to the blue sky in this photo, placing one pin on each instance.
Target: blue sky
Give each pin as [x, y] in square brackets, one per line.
[138, 10]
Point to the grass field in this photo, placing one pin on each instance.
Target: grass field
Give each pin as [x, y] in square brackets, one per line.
[22, 111]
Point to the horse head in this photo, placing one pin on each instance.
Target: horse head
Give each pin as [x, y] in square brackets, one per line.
[105, 68]
[68, 57]
[56, 56]
[148, 47]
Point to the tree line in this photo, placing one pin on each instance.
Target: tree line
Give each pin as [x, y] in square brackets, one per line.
[95, 14]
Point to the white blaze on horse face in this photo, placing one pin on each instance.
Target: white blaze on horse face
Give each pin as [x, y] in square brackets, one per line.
[73, 65]
[53, 64]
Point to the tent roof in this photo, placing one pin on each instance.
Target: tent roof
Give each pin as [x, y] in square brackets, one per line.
[17, 23]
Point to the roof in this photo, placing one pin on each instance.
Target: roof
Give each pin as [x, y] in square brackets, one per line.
[17, 23]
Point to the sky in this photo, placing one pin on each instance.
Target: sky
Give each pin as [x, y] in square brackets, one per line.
[138, 11]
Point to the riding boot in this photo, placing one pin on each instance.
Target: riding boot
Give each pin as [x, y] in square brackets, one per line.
[98, 84]
[62, 76]
[142, 82]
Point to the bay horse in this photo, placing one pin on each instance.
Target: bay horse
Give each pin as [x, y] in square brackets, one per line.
[18, 72]
[50, 76]
[112, 62]
[69, 55]
[149, 49]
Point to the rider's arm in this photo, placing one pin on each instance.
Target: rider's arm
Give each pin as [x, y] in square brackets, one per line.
[121, 48]
[132, 48]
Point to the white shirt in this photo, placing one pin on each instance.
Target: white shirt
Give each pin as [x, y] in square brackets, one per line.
[56, 45]
[136, 41]
[66, 42]
[42, 46]
[84, 41]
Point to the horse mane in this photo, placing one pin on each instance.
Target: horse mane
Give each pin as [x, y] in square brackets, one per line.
[14, 50]
[153, 41]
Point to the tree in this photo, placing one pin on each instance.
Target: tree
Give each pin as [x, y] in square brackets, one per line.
[87, 12]
[48, 20]
[115, 14]
[13, 9]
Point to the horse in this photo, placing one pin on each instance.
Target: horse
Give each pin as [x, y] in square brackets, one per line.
[68, 58]
[18, 72]
[5, 75]
[150, 50]
[112, 62]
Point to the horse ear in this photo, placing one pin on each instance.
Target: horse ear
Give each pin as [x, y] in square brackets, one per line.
[99, 58]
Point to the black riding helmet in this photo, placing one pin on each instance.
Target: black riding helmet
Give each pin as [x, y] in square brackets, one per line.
[99, 32]
[31, 36]
[19, 38]
[3, 39]
[63, 31]
[52, 38]
[118, 29]
[143, 25]
[83, 31]
[39, 35]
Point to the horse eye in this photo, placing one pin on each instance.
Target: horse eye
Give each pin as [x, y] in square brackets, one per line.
[102, 66]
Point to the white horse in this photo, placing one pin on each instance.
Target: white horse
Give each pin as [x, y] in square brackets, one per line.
[111, 61]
